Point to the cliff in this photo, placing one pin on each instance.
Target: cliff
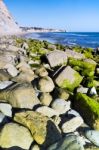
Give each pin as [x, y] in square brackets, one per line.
[7, 23]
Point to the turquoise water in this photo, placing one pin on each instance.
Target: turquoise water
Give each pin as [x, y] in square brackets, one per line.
[84, 39]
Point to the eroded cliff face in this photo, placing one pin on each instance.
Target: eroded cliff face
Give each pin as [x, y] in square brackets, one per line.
[7, 23]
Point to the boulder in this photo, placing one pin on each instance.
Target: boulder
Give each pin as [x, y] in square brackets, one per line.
[46, 84]
[47, 111]
[56, 58]
[69, 142]
[45, 99]
[73, 54]
[72, 124]
[20, 96]
[68, 79]
[13, 135]
[43, 129]
[61, 106]
[2, 116]
[88, 108]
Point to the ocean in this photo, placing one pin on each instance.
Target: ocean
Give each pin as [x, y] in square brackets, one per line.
[84, 39]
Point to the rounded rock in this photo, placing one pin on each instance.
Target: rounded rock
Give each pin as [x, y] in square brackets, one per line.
[46, 99]
[46, 84]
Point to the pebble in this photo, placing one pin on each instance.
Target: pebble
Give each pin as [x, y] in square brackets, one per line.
[6, 109]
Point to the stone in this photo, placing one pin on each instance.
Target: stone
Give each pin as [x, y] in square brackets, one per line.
[93, 136]
[92, 91]
[63, 94]
[20, 96]
[82, 89]
[46, 84]
[56, 58]
[35, 147]
[45, 99]
[14, 134]
[24, 77]
[73, 54]
[6, 109]
[42, 128]
[68, 79]
[73, 112]
[2, 116]
[47, 111]
[88, 109]
[69, 142]
[42, 72]
[56, 119]
[24, 67]
[51, 47]
[4, 76]
[72, 124]
[61, 106]
[11, 69]
[5, 84]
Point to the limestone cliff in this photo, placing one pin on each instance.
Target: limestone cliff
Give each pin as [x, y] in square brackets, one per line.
[7, 23]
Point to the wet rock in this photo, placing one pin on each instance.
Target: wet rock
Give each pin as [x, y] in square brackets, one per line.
[6, 109]
[11, 70]
[56, 58]
[13, 134]
[93, 136]
[20, 96]
[68, 79]
[72, 124]
[61, 106]
[70, 142]
[46, 84]
[45, 99]
[88, 109]
[47, 111]
[43, 129]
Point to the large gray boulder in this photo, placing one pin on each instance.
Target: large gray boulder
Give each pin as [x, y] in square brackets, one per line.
[73, 54]
[56, 58]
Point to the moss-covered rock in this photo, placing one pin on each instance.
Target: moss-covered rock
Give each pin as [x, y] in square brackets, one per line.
[88, 108]
[86, 68]
[68, 79]
[42, 128]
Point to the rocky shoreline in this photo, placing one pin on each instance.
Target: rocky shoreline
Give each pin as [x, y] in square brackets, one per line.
[49, 96]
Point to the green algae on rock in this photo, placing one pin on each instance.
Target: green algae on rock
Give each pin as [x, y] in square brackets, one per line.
[87, 68]
[88, 108]
[68, 79]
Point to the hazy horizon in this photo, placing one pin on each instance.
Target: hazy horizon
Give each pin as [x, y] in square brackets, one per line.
[71, 15]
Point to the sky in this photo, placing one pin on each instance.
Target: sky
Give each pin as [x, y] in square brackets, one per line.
[71, 15]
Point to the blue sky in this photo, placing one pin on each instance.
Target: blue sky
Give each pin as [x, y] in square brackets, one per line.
[72, 15]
